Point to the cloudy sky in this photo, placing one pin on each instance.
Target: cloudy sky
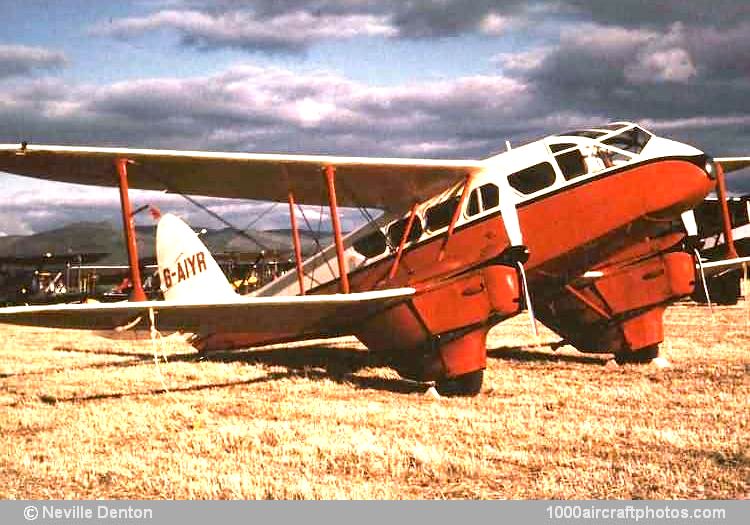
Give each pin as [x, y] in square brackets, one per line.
[441, 78]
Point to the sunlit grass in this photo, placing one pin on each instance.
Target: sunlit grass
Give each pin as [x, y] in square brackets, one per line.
[82, 416]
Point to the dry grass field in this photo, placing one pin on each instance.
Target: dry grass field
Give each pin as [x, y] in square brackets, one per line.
[82, 416]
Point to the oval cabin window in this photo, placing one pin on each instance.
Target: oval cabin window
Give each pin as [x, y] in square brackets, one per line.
[440, 215]
[482, 199]
[396, 231]
[533, 179]
[371, 245]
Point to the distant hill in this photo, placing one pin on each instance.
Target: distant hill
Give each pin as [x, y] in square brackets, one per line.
[103, 243]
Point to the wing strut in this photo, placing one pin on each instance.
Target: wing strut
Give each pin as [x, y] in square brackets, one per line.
[330, 174]
[297, 245]
[456, 214]
[404, 238]
[128, 224]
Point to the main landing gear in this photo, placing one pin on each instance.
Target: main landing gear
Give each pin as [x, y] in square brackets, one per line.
[464, 385]
[643, 355]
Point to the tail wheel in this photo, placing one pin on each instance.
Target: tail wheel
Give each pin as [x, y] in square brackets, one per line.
[464, 385]
[643, 355]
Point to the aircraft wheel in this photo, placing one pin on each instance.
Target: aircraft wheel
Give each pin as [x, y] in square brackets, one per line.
[728, 289]
[464, 385]
[644, 355]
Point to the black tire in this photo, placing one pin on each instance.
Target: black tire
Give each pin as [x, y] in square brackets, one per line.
[643, 355]
[464, 385]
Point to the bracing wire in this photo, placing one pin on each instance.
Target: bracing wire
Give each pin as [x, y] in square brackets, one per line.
[258, 217]
[316, 240]
[210, 212]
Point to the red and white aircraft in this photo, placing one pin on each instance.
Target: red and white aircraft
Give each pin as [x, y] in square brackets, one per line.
[589, 219]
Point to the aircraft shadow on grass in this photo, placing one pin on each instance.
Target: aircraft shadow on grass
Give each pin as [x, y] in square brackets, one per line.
[319, 363]
[528, 354]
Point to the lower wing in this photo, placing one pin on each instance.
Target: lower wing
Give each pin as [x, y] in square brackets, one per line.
[310, 315]
[711, 268]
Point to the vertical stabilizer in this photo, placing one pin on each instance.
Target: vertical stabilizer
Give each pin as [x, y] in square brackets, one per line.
[187, 270]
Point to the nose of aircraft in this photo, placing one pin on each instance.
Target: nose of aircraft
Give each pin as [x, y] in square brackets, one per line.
[680, 185]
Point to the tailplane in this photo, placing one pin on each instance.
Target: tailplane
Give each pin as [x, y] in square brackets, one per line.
[187, 270]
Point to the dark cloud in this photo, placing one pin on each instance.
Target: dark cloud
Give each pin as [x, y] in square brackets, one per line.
[685, 80]
[682, 75]
[295, 25]
[25, 60]
[661, 13]
[269, 109]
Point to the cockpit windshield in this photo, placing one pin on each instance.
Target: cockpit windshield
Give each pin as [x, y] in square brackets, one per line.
[588, 151]
[632, 140]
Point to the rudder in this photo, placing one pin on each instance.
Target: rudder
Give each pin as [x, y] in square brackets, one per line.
[187, 270]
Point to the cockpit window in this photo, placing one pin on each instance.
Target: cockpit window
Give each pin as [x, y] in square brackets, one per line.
[614, 126]
[533, 179]
[571, 164]
[559, 147]
[632, 140]
[588, 133]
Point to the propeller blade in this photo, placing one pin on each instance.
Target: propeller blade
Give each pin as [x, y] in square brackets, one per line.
[688, 220]
[518, 251]
[704, 282]
[527, 298]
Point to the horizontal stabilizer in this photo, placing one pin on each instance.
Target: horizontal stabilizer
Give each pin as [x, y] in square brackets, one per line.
[322, 315]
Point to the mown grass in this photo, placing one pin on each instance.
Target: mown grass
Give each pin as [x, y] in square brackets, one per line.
[82, 416]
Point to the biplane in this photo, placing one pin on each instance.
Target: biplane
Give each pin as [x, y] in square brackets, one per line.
[590, 230]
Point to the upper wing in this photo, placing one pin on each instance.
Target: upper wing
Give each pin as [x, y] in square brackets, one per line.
[308, 315]
[391, 184]
[733, 163]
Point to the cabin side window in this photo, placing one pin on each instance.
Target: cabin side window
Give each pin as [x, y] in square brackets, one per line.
[396, 231]
[490, 196]
[571, 164]
[533, 179]
[473, 207]
[440, 215]
[371, 245]
[482, 199]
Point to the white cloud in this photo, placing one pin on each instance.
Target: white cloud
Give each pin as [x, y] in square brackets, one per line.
[290, 31]
[523, 62]
[18, 60]
[494, 24]
[669, 65]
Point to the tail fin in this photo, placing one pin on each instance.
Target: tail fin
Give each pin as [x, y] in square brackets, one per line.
[187, 270]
